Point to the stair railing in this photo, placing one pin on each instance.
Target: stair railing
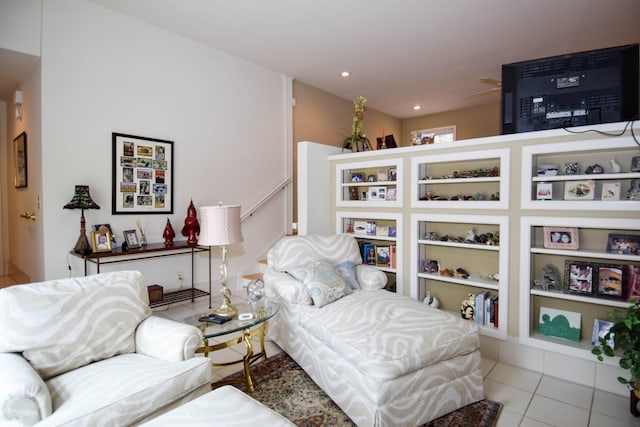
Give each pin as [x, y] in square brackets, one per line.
[266, 198]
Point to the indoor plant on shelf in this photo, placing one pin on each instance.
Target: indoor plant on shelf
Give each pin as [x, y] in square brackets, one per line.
[357, 141]
[625, 333]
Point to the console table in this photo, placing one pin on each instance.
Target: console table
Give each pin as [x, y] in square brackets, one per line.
[153, 250]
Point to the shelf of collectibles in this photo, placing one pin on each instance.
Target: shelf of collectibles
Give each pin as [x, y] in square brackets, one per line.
[582, 175]
[574, 271]
[376, 234]
[376, 183]
[477, 179]
[462, 260]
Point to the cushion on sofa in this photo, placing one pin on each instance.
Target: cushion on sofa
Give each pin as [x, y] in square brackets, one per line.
[322, 280]
[348, 272]
[370, 278]
[385, 335]
[295, 251]
[93, 392]
[72, 322]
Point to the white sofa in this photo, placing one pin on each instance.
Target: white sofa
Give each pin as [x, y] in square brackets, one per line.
[385, 359]
[87, 352]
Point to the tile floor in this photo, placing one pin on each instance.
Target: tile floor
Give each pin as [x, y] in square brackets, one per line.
[529, 398]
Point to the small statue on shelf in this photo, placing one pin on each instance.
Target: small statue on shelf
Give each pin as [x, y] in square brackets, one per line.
[191, 227]
[168, 234]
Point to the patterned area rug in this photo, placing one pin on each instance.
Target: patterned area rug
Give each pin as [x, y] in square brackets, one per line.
[284, 387]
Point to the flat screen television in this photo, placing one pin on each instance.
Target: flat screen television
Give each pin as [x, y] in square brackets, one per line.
[584, 88]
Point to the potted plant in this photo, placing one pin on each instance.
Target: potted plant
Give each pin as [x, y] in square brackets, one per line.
[625, 334]
[357, 141]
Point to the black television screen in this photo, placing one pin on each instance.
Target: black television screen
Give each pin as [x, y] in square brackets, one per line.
[585, 88]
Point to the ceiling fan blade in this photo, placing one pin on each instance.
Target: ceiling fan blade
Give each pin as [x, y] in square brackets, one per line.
[482, 93]
[490, 81]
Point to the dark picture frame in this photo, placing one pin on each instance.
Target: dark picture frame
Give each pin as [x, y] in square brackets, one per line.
[357, 176]
[579, 277]
[131, 239]
[20, 161]
[142, 175]
[610, 280]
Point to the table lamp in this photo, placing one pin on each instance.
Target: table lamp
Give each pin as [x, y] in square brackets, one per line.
[82, 200]
[220, 226]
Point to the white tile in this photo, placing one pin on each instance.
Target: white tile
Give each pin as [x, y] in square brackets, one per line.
[564, 391]
[508, 418]
[613, 405]
[487, 365]
[516, 354]
[516, 377]
[570, 368]
[558, 414]
[529, 422]
[514, 400]
[599, 420]
[607, 374]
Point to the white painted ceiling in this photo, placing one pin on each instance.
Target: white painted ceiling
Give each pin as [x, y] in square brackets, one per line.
[400, 52]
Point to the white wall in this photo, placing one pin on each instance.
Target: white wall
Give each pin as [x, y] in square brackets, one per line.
[20, 25]
[103, 72]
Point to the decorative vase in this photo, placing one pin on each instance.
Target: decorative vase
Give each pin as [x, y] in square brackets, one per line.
[191, 227]
[168, 234]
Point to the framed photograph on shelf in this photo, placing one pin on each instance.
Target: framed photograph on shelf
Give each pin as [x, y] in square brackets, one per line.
[382, 256]
[106, 227]
[20, 160]
[142, 175]
[391, 194]
[393, 174]
[632, 272]
[544, 191]
[357, 176]
[430, 266]
[578, 277]
[383, 175]
[353, 193]
[600, 329]
[369, 254]
[610, 191]
[561, 237]
[626, 244]
[580, 190]
[610, 280]
[101, 241]
[131, 239]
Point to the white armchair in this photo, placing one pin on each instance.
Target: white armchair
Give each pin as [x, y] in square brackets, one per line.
[87, 351]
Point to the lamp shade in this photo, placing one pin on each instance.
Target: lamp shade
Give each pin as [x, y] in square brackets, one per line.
[81, 199]
[219, 225]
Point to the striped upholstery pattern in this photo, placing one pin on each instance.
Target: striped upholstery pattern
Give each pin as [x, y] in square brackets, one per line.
[86, 352]
[224, 407]
[385, 359]
[68, 323]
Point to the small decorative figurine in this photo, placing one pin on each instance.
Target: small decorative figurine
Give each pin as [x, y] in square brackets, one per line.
[594, 169]
[634, 190]
[191, 227]
[168, 234]
[571, 168]
[635, 164]
[615, 167]
[467, 309]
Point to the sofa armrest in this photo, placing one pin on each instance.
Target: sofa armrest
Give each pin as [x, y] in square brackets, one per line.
[167, 339]
[286, 287]
[24, 397]
[370, 278]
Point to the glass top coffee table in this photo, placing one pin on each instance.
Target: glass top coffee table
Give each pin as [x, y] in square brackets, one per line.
[248, 328]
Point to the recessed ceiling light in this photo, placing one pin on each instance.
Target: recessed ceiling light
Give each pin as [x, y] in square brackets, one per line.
[345, 74]
[416, 107]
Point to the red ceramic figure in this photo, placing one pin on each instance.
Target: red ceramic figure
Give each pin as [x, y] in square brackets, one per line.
[168, 234]
[191, 227]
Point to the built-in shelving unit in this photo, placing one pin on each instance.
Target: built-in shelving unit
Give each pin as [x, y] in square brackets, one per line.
[542, 189]
[593, 239]
[383, 229]
[376, 183]
[475, 243]
[469, 180]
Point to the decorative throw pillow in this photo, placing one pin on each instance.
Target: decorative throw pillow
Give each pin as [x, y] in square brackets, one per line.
[323, 282]
[348, 272]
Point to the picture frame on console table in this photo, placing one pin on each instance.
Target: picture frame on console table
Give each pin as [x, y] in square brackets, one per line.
[142, 175]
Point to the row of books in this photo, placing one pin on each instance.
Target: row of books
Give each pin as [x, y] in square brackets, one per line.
[378, 255]
[486, 309]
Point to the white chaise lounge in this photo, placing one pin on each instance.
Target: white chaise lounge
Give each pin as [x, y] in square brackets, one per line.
[385, 359]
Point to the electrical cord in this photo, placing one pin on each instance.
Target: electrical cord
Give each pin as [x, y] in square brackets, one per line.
[624, 130]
